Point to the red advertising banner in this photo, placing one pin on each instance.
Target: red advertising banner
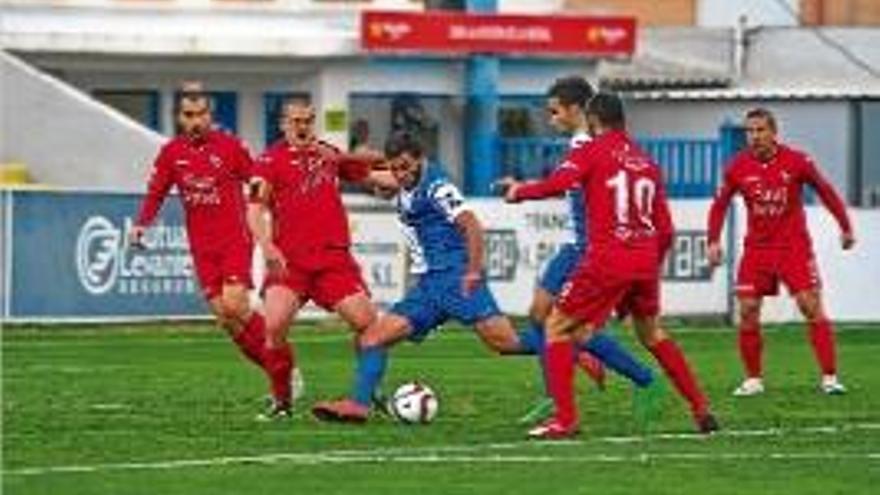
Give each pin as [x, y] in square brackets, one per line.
[482, 33]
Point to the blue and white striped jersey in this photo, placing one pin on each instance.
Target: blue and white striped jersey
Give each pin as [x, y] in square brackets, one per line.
[427, 216]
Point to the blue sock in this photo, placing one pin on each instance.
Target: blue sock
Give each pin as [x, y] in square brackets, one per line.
[613, 355]
[532, 340]
[371, 363]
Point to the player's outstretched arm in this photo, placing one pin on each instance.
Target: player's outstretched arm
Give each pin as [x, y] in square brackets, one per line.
[832, 201]
[468, 224]
[357, 167]
[259, 222]
[158, 186]
[561, 180]
[717, 212]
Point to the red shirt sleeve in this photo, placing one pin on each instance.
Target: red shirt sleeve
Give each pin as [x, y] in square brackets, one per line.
[159, 184]
[720, 204]
[244, 164]
[827, 194]
[353, 168]
[563, 177]
[561, 180]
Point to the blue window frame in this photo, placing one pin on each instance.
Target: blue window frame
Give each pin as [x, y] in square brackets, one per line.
[141, 105]
[225, 107]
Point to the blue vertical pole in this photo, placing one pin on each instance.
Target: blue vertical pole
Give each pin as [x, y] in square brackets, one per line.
[481, 126]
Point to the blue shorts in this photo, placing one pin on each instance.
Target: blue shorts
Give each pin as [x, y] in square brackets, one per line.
[559, 268]
[437, 297]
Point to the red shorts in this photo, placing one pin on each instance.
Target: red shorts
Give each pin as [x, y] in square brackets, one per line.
[216, 267]
[592, 294]
[762, 268]
[325, 276]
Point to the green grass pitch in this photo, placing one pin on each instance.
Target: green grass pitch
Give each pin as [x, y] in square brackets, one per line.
[169, 409]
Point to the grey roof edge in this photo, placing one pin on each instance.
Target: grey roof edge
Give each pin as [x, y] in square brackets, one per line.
[759, 93]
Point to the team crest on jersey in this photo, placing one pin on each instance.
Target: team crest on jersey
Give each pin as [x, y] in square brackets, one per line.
[316, 173]
[215, 160]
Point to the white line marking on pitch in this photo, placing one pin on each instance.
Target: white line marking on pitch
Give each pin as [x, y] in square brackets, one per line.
[458, 453]
[365, 457]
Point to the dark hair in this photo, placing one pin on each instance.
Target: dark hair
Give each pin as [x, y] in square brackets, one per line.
[571, 90]
[402, 142]
[762, 113]
[608, 107]
[191, 90]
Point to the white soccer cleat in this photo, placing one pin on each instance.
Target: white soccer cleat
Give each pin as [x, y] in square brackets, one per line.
[749, 387]
[297, 385]
[830, 385]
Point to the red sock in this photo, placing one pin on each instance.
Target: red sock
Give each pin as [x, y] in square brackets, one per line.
[560, 375]
[676, 367]
[751, 348]
[822, 338]
[279, 363]
[251, 339]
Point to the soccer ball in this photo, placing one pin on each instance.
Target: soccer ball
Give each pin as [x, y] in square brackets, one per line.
[414, 402]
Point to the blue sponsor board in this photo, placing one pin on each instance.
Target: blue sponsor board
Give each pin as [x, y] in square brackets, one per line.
[69, 259]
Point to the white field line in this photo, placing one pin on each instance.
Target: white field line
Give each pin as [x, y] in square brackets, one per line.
[312, 459]
[471, 454]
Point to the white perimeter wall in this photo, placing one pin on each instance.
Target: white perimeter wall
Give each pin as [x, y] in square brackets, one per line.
[60, 133]
[521, 238]
[850, 278]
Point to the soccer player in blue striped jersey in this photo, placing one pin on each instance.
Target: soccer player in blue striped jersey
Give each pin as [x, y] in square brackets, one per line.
[447, 238]
[566, 103]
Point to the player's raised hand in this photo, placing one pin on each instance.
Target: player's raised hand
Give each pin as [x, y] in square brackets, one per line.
[847, 240]
[469, 282]
[714, 254]
[275, 261]
[507, 186]
[136, 237]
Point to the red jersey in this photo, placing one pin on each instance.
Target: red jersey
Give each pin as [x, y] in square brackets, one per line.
[774, 199]
[628, 219]
[306, 203]
[209, 175]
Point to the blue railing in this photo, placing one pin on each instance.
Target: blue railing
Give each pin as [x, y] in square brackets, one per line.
[691, 167]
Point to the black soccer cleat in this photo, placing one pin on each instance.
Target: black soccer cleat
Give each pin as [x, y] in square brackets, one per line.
[707, 424]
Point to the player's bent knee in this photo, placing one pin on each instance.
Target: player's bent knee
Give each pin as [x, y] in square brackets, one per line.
[506, 346]
[810, 305]
[649, 331]
[749, 310]
[557, 327]
[361, 321]
[235, 309]
[542, 304]
[375, 338]
[385, 331]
